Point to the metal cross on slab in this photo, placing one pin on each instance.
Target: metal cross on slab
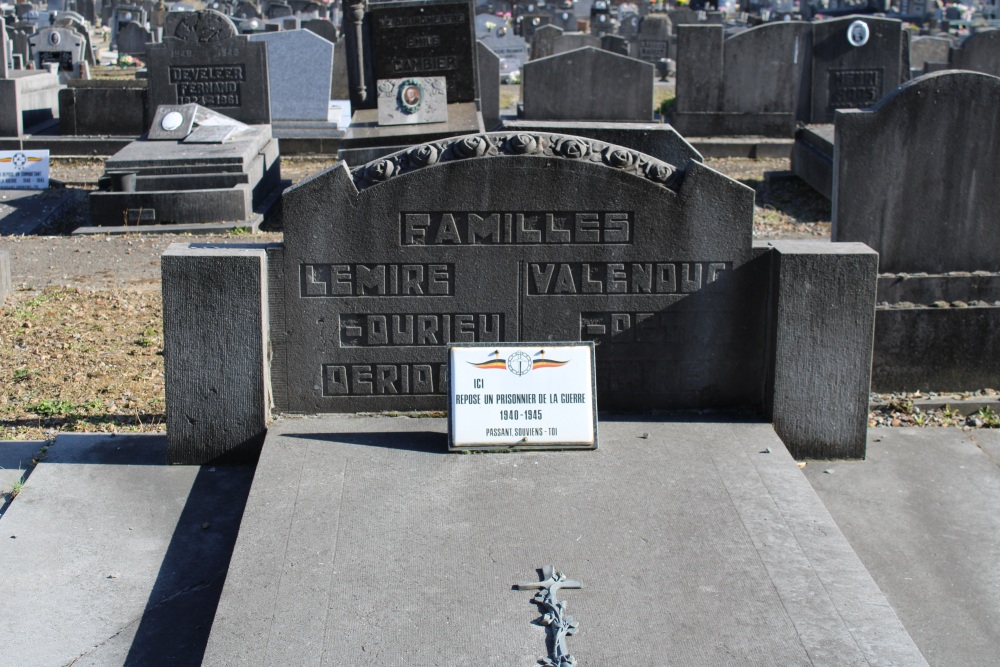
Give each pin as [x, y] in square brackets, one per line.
[561, 624]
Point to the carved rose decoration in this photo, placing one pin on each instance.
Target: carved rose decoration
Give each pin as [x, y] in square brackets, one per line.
[573, 148]
[424, 156]
[522, 144]
[618, 158]
[382, 170]
[470, 146]
[659, 171]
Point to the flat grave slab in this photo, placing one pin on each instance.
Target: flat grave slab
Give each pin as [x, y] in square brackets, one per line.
[364, 543]
[118, 557]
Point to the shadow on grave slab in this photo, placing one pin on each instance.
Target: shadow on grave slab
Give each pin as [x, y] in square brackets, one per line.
[428, 442]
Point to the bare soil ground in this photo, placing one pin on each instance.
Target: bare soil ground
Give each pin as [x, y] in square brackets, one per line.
[81, 337]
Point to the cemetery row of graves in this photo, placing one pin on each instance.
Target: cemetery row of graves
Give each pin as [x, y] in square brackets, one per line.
[888, 119]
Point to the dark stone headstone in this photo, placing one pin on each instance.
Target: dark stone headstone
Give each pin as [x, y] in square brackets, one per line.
[532, 23]
[564, 19]
[850, 76]
[132, 39]
[323, 28]
[583, 241]
[570, 41]
[203, 61]
[979, 53]
[915, 176]
[489, 85]
[391, 40]
[628, 25]
[653, 40]
[615, 44]
[754, 83]
[543, 41]
[928, 49]
[561, 87]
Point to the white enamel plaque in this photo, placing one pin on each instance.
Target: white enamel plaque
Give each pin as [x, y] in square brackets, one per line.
[24, 170]
[528, 396]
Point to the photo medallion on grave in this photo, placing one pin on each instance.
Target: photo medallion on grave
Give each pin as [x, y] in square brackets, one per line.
[529, 396]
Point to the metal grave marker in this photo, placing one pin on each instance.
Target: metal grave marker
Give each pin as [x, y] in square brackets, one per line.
[561, 624]
[24, 170]
[534, 396]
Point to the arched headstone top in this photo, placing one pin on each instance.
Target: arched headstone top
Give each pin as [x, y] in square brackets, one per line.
[205, 26]
[501, 144]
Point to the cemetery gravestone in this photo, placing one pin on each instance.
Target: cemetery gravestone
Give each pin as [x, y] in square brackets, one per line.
[296, 61]
[61, 46]
[927, 49]
[203, 61]
[392, 40]
[579, 240]
[856, 60]
[653, 39]
[753, 83]
[629, 25]
[978, 53]
[571, 41]
[532, 23]
[565, 20]
[323, 28]
[914, 179]
[543, 42]
[489, 85]
[132, 39]
[502, 41]
[615, 44]
[561, 87]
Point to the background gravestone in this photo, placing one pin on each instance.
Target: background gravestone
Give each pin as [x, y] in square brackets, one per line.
[570, 41]
[391, 40]
[561, 87]
[543, 41]
[927, 49]
[615, 44]
[564, 19]
[845, 76]
[502, 41]
[753, 83]
[132, 39]
[653, 40]
[296, 61]
[205, 62]
[489, 85]
[61, 46]
[978, 53]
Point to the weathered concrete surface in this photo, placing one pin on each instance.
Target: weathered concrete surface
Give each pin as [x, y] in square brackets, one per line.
[363, 543]
[111, 557]
[921, 513]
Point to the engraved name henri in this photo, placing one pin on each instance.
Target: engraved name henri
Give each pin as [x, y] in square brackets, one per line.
[384, 379]
[368, 330]
[855, 87]
[535, 227]
[623, 278]
[378, 280]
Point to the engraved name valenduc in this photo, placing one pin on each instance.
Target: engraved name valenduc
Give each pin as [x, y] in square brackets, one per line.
[622, 277]
[371, 330]
[513, 228]
[350, 280]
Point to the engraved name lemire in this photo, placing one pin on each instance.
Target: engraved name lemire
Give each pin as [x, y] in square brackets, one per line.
[502, 228]
[355, 280]
[622, 277]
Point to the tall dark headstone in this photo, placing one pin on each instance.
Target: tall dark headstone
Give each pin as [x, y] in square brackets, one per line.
[653, 40]
[392, 40]
[856, 61]
[489, 85]
[978, 53]
[204, 61]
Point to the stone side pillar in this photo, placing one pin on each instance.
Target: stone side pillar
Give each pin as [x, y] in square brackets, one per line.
[822, 327]
[215, 323]
[699, 68]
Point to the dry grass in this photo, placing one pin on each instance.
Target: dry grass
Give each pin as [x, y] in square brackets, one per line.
[72, 360]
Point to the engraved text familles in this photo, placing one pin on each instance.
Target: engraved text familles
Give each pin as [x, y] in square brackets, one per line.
[510, 228]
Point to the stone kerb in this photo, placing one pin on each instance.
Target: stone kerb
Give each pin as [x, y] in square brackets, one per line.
[520, 236]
